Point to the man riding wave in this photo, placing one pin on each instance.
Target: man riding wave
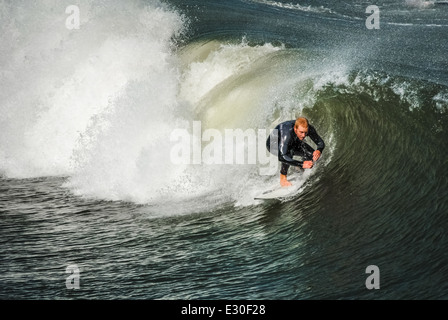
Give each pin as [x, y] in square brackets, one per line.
[286, 141]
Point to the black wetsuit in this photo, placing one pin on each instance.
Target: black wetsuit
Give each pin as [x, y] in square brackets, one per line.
[286, 144]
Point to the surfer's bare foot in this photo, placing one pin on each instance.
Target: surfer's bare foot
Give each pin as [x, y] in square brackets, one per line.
[284, 182]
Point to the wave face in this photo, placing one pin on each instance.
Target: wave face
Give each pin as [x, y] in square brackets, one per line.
[93, 110]
[102, 103]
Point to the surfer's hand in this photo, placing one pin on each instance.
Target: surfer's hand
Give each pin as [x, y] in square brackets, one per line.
[316, 155]
[307, 164]
[284, 182]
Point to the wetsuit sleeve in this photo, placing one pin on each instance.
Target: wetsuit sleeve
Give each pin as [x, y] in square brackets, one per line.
[320, 144]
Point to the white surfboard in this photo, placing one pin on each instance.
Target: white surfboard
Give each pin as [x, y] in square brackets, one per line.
[276, 193]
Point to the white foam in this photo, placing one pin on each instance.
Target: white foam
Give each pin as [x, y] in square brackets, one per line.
[441, 100]
[55, 81]
[222, 62]
[420, 4]
[101, 103]
[296, 6]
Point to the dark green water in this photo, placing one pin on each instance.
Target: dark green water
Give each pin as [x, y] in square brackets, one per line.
[379, 196]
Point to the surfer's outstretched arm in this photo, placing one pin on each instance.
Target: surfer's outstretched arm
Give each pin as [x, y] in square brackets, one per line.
[312, 133]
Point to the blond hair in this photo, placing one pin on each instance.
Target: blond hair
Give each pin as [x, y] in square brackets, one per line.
[303, 122]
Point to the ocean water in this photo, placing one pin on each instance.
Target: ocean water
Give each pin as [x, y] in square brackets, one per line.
[90, 174]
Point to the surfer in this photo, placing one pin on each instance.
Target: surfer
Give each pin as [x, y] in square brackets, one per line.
[287, 141]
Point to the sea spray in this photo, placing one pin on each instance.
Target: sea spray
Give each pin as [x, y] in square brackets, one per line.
[125, 154]
[56, 81]
[103, 113]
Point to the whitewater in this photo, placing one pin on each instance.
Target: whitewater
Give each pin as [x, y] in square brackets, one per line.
[89, 177]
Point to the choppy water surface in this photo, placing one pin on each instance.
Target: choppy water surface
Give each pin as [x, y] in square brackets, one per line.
[86, 177]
